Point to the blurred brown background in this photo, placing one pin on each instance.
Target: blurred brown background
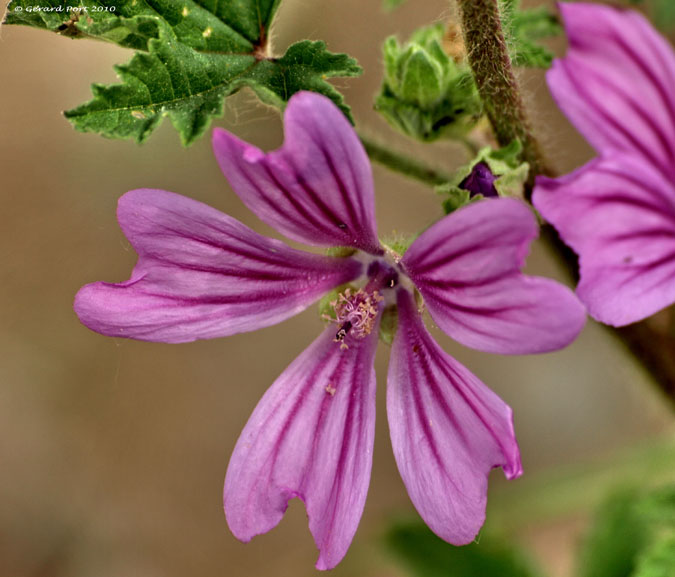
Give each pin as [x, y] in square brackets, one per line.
[113, 452]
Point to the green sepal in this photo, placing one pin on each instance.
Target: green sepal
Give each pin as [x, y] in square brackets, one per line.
[524, 28]
[340, 251]
[425, 93]
[454, 197]
[398, 243]
[388, 324]
[190, 56]
[503, 162]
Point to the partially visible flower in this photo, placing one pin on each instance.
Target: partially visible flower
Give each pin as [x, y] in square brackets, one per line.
[617, 86]
[201, 274]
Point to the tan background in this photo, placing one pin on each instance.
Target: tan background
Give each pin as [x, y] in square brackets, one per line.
[113, 452]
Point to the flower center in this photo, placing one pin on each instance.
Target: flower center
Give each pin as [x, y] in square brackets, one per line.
[355, 314]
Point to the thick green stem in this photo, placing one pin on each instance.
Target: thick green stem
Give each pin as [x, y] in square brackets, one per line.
[403, 164]
[491, 65]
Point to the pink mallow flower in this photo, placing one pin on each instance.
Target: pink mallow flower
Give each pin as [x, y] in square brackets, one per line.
[202, 274]
[617, 86]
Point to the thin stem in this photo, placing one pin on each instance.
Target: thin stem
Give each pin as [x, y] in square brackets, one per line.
[403, 164]
[491, 65]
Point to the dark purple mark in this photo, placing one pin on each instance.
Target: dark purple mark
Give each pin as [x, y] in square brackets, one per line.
[480, 181]
[475, 403]
[381, 275]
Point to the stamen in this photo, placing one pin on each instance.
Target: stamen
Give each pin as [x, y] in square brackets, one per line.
[355, 313]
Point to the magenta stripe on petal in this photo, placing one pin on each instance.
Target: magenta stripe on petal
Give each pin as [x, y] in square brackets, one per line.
[467, 267]
[448, 430]
[317, 188]
[617, 83]
[202, 274]
[618, 214]
[311, 437]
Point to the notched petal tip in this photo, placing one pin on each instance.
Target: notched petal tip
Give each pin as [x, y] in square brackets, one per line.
[202, 274]
[448, 431]
[317, 188]
[311, 437]
[468, 269]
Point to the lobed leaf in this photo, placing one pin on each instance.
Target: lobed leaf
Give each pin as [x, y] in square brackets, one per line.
[191, 54]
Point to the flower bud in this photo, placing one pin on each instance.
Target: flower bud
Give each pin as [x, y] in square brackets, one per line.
[491, 173]
[425, 93]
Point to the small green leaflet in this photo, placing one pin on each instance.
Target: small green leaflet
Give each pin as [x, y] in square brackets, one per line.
[523, 29]
[191, 54]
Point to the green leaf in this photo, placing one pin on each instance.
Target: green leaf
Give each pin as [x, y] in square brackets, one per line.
[191, 54]
[618, 535]
[658, 560]
[524, 28]
[658, 506]
[305, 66]
[425, 555]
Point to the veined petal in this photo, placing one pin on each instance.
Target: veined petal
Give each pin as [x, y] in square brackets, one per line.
[467, 267]
[617, 83]
[311, 436]
[618, 214]
[448, 430]
[202, 274]
[317, 188]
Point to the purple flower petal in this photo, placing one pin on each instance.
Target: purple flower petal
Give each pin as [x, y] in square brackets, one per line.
[617, 83]
[618, 214]
[317, 188]
[467, 267]
[448, 430]
[202, 274]
[311, 436]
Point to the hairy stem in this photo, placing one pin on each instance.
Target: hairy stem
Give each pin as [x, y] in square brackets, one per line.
[403, 164]
[491, 65]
